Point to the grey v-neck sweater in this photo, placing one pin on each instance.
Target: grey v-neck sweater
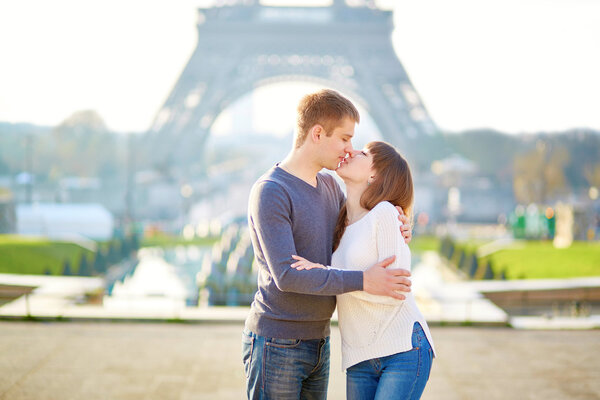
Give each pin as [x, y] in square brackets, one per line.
[288, 216]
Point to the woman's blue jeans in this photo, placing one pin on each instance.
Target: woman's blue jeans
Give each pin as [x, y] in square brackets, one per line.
[399, 376]
[282, 369]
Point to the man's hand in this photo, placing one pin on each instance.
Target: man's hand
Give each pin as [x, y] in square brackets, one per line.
[386, 282]
[405, 227]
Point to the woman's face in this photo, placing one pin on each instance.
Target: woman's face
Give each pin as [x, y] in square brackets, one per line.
[357, 169]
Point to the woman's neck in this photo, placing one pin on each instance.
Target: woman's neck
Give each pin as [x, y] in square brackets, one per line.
[353, 207]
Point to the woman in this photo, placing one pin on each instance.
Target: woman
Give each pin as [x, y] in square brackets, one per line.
[387, 348]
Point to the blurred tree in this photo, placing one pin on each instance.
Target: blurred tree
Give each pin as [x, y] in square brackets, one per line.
[13, 144]
[473, 265]
[459, 257]
[539, 173]
[8, 214]
[427, 149]
[80, 146]
[502, 275]
[489, 149]
[100, 262]
[4, 168]
[67, 269]
[113, 253]
[84, 266]
[592, 174]
[135, 242]
[125, 247]
[584, 147]
[489, 272]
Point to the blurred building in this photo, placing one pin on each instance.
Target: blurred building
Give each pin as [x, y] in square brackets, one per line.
[463, 194]
[92, 221]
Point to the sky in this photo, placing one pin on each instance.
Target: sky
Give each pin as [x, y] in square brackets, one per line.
[511, 65]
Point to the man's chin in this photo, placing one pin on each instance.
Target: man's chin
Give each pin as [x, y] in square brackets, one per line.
[332, 167]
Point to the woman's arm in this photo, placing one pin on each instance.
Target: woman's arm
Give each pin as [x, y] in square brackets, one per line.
[390, 242]
[302, 263]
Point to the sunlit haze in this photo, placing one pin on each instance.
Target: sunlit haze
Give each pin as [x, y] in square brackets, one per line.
[516, 66]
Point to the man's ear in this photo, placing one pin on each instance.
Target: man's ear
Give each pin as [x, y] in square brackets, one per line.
[315, 133]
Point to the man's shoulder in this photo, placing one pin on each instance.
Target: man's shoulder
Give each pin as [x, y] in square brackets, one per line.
[269, 181]
[269, 189]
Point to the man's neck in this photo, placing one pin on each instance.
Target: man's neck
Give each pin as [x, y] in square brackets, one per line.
[301, 166]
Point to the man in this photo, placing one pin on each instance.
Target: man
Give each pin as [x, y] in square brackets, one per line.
[293, 210]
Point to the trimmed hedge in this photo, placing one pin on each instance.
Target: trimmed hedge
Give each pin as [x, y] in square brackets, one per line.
[524, 260]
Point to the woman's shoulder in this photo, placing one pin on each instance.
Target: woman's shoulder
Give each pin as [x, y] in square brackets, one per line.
[385, 208]
[384, 214]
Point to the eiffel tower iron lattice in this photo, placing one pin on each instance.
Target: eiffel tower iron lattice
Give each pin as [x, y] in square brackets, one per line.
[247, 45]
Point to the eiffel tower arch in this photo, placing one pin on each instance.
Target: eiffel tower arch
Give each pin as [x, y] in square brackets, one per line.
[248, 45]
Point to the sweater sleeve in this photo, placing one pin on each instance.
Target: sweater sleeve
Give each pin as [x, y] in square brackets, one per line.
[271, 219]
[389, 242]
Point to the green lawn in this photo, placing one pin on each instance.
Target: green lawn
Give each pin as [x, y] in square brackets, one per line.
[23, 255]
[419, 244]
[540, 259]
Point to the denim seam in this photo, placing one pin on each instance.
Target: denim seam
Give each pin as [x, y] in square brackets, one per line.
[420, 350]
[321, 345]
[412, 388]
[263, 371]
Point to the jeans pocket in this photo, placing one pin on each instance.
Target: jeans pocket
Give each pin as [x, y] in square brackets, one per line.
[284, 343]
[417, 336]
[247, 349]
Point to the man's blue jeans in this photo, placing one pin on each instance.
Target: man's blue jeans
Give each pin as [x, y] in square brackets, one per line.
[281, 369]
[399, 376]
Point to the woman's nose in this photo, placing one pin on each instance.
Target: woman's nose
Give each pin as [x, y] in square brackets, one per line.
[353, 152]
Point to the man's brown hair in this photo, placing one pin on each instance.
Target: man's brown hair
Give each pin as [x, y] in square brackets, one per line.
[393, 182]
[326, 108]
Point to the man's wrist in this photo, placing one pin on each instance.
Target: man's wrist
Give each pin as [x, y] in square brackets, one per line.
[353, 280]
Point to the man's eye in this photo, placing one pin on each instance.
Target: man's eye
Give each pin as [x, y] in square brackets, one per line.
[363, 153]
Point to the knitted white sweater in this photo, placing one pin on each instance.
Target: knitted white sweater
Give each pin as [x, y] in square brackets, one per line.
[375, 326]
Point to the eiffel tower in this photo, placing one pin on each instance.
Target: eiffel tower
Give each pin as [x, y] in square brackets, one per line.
[246, 45]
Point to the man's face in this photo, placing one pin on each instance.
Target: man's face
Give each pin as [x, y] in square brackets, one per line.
[334, 148]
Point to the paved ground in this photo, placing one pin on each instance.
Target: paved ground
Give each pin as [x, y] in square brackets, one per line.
[175, 361]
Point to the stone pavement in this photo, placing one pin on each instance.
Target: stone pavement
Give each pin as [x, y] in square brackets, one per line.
[91, 360]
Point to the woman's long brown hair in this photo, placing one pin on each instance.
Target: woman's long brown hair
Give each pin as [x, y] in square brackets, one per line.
[393, 182]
